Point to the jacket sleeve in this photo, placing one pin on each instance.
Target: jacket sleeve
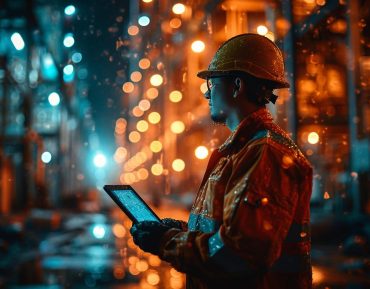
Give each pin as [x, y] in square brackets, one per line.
[259, 204]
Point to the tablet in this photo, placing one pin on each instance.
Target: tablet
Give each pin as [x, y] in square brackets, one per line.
[131, 203]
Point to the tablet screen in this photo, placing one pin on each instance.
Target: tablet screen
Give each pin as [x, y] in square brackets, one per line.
[135, 205]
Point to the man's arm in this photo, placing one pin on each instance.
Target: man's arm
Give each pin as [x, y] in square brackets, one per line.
[258, 211]
[259, 205]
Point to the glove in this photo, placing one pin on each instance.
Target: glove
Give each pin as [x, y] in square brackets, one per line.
[174, 223]
[148, 234]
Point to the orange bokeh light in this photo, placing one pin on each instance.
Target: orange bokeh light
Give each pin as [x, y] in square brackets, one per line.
[152, 93]
[133, 30]
[175, 23]
[136, 76]
[128, 87]
[137, 111]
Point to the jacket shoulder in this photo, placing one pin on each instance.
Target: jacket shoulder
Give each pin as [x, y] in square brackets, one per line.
[282, 142]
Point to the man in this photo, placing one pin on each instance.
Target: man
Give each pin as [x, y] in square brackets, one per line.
[249, 225]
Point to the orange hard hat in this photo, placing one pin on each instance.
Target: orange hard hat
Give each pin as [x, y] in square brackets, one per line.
[252, 54]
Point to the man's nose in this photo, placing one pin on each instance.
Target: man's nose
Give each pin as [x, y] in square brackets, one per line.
[207, 94]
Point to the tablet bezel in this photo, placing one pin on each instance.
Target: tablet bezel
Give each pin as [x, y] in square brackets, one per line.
[110, 188]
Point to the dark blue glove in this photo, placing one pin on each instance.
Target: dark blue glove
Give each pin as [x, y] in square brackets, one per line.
[173, 223]
[148, 234]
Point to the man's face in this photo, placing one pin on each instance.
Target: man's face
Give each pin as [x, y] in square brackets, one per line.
[219, 95]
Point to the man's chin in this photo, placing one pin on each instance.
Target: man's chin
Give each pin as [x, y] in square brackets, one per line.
[218, 119]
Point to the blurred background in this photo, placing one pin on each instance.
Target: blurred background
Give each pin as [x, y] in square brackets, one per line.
[105, 92]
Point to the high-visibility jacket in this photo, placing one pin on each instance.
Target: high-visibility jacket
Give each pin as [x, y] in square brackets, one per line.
[249, 225]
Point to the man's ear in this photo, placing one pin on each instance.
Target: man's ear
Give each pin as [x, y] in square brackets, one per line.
[239, 87]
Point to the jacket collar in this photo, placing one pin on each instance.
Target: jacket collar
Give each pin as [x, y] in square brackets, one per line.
[247, 128]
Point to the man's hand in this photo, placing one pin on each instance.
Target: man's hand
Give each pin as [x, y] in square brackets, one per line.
[173, 223]
[148, 234]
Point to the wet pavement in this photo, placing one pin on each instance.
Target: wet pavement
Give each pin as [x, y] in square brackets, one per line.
[90, 250]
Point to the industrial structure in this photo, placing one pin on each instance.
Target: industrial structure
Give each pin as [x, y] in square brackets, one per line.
[57, 128]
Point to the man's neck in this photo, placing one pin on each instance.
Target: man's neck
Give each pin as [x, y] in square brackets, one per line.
[237, 116]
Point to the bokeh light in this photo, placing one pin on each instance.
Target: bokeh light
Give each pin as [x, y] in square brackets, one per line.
[68, 40]
[177, 127]
[134, 137]
[128, 87]
[153, 278]
[76, 57]
[154, 117]
[46, 157]
[99, 231]
[133, 271]
[157, 169]
[120, 155]
[136, 76]
[154, 261]
[17, 41]
[69, 10]
[143, 174]
[262, 30]
[144, 104]
[270, 35]
[133, 30]
[142, 126]
[178, 8]
[203, 87]
[68, 69]
[144, 21]
[142, 265]
[198, 46]
[156, 80]
[178, 165]
[201, 152]
[54, 99]
[313, 138]
[175, 23]
[137, 112]
[121, 125]
[121, 122]
[119, 272]
[321, 2]
[100, 160]
[155, 146]
[119, 230]
[175, 96]
[152, 93]
[144, 63]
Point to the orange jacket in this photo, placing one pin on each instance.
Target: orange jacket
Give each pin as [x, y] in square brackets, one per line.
[249, 225]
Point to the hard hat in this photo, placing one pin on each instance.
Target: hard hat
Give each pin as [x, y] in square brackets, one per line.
[252, 54]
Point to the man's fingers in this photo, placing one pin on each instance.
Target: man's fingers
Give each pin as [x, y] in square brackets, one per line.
[145, 225]
[133, 229]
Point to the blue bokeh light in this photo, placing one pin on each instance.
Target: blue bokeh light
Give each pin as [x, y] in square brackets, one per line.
[69, 40]
[69, 10]
[76, 57]
[98, 231]
[46, 157]
[54, 99]
[17, 41]
[144, 21]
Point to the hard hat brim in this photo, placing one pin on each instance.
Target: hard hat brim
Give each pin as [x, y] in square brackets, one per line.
[204, 74]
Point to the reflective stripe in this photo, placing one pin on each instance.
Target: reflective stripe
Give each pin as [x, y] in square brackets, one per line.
[260, 134]
[202, 223]
[215, 244]
[224, 257]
